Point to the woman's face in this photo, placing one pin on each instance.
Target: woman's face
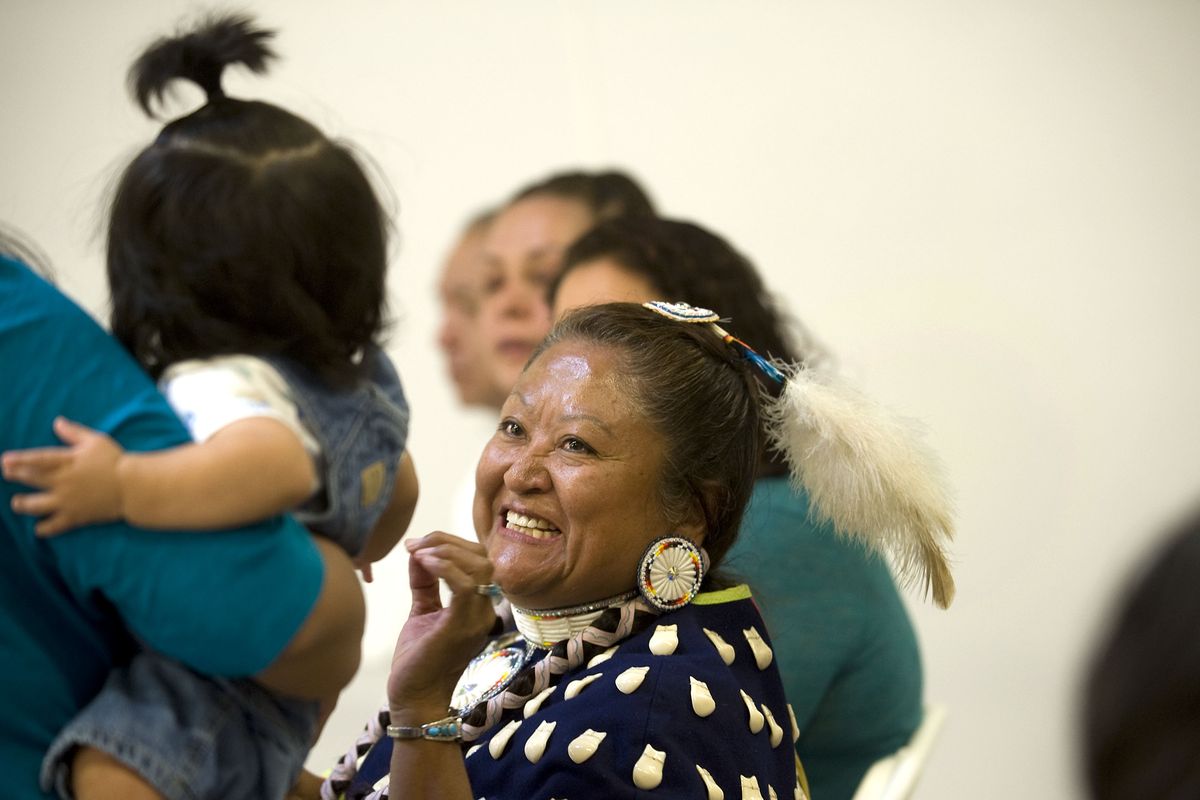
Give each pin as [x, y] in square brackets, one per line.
[602, 280]
[566, 491]
[522, 253]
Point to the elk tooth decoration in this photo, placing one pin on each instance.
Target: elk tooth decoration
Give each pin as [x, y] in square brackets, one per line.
[714, 791]
[750, 790]
[665, 640]
[536, 745]
[773, 727]
[724, 649]
[583, 746]
[762, 653]
[702, 699]
[647, 772]
[629, 680]
[474, 749]
[795, 725]
[756, 718]
[771, 793]
[799, 793]
[534, 703]
[577, 686]
[500, 740]
[600, 658]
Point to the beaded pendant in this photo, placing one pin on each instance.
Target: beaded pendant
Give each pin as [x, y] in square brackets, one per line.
[670, 573]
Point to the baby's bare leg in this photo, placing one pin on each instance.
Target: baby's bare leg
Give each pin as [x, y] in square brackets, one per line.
[95, 775]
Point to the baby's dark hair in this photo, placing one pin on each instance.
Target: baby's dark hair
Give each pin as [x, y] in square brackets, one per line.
[699, 394]
[242, 228]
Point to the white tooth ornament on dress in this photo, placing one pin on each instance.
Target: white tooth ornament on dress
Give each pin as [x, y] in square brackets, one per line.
[795, 725]
[500, 740]
[724, 648]
[714, 791]
[665, 640]
[629, 680]
[475, 748]
[647, 772]
[600, 658]
[535, 746]
[702, 699]
[750, 790]
[534, 703]
[771, 793]
[762, 651]
[583, 746]
[670, 572]
[773, 727]
[757, 720]
[577, 686]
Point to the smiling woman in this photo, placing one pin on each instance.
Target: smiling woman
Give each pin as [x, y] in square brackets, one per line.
[572, 439]
[623, 661]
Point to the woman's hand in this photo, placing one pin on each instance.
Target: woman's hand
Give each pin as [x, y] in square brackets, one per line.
[438, 640]
[307, 787]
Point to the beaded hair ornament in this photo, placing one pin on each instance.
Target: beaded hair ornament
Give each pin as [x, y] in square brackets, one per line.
[865, 470]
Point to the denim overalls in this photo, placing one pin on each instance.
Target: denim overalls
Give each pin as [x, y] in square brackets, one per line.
[362, 433]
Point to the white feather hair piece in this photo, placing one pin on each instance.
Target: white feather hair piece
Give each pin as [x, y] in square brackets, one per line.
[868, 473]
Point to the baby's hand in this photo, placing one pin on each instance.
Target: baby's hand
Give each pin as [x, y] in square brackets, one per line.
[80, 481]
[364, 566]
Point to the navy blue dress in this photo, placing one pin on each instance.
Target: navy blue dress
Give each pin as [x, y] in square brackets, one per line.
[690, 713]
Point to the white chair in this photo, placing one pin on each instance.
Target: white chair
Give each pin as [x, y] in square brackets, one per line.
[894, 777]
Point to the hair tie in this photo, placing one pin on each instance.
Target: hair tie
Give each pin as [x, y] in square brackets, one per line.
[683, 312]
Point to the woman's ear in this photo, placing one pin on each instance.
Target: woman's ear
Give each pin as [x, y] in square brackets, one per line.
[694, 522]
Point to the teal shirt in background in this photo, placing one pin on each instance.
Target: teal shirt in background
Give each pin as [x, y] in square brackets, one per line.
[74, 606]
[846, 646]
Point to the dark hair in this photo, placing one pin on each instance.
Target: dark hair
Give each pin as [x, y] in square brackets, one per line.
[606, 194]
[1141, 714]
[687, 263]
[242, 228]
[19, 247]
[696, 392]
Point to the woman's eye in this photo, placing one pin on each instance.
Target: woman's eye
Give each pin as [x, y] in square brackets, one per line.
[574, 445]
[510, 427]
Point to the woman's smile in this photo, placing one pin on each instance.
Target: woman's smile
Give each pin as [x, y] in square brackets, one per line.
[532, 527]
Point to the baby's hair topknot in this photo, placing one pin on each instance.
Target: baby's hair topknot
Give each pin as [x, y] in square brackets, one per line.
[201, 57]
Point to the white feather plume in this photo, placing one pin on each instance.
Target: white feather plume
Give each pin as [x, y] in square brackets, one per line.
[867, 472]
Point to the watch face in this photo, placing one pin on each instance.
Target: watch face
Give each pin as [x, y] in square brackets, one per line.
[489, 672]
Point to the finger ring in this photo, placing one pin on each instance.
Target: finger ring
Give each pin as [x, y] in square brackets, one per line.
[489, 590]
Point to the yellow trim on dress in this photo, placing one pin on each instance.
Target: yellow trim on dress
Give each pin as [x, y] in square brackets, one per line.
[739, 592]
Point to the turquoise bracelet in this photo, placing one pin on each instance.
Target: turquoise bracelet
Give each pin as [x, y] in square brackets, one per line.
[443, 730]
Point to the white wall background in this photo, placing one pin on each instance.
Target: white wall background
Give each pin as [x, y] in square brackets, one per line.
[987, 209]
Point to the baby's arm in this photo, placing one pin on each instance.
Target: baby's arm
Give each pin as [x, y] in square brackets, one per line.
[393, 522]
[251, 469]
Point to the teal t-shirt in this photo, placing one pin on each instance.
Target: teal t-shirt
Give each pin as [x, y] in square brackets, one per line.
[225, 603]
[846, 647]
